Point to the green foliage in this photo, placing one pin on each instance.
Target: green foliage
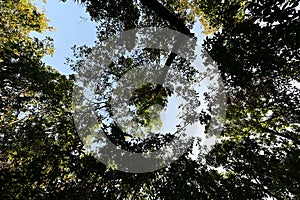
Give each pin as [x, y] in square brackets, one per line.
[258, 58]
[37, 140]
[150, 100]
[256, 48]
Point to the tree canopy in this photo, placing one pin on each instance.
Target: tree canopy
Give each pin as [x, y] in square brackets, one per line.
[254, 45]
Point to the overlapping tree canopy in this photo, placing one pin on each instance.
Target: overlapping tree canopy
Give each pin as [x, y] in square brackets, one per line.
[257, 52]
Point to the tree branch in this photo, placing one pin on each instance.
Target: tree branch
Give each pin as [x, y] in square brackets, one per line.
[166, 14]
[176, 22]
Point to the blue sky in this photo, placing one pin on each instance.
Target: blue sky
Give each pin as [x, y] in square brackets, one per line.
[70, 29]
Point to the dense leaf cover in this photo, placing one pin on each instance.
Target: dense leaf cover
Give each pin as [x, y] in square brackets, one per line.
[257, 52]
